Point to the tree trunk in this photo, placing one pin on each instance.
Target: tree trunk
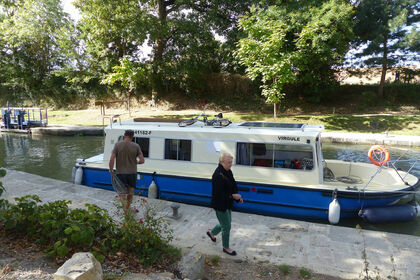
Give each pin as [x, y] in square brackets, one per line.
[160, 41]
[275, 111]
[128, 103]
[159, 45]
[384, 69]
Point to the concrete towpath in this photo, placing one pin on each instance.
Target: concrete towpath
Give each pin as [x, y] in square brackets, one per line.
[369, 138]
[325, 249]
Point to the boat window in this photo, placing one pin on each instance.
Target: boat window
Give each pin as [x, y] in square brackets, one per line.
[143, 142]
[144, 145]
[178, 149]
[275, 155]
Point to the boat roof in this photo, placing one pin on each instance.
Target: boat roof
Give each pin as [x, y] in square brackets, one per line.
[268, 128]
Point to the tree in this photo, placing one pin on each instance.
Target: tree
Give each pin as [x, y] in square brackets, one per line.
[386, 31]
[128, 75]
[31, 48]
[180, 32]
[296, 42]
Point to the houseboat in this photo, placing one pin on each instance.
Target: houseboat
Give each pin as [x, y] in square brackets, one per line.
[279, 168]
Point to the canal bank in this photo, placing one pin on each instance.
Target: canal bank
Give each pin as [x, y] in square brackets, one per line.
[327, 137]
[368, 138]
[325, 249]
[59, 130]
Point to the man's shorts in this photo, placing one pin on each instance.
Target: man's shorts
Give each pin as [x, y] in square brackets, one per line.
[130, 180]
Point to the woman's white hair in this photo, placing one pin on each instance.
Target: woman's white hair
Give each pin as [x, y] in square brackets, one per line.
[224, 155]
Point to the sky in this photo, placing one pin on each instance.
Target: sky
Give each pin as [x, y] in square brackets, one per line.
[70, 9]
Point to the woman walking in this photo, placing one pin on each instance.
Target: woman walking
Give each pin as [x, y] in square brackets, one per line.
[224, 192]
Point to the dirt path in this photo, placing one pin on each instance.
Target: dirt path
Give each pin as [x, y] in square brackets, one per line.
[230, 269]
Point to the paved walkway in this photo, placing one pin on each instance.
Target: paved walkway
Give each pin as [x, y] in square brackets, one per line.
[326, 249]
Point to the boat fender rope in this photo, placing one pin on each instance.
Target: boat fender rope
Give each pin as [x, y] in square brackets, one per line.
[378, 155]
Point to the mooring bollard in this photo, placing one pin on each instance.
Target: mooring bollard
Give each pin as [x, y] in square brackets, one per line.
[175, 214]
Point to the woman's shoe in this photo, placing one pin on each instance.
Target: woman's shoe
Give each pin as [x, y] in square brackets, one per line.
[212, 238]
[233, 253]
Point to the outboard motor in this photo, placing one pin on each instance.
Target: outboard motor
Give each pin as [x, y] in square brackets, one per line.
[390, 214]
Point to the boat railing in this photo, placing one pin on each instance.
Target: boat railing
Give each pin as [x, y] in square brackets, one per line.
[112, 119]
[412, 163]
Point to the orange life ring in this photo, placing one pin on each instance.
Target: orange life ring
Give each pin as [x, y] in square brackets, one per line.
[378, 155]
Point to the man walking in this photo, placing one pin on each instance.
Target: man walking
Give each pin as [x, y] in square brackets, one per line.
[127, 155]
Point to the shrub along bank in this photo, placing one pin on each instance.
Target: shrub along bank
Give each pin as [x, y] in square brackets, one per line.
[63, 232]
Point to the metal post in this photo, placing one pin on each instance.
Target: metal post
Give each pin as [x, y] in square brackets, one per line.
[175, 214]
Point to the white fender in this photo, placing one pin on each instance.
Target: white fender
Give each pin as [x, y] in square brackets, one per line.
[417, 207]
[79, 176]
[152, 193]
[73, 173]
[334, 212]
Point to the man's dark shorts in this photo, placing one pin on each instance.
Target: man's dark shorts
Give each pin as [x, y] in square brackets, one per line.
[130, 180]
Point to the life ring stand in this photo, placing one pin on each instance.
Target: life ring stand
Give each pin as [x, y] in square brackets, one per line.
[378, 155]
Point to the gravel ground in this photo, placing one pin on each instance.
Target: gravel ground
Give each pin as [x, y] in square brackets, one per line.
[231, 269]
[22, 260]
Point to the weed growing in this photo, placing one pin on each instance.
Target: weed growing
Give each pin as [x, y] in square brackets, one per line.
[284, 268]
[366, 273]
[304, 273]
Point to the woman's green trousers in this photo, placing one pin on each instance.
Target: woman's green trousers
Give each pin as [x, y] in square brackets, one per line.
[225, 219]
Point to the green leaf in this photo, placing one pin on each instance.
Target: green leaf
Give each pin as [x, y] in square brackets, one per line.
[57, 244]
[62, 251]
[75, 237]
[68, 230]
[86, 237]
[99, 257]
[75, 228]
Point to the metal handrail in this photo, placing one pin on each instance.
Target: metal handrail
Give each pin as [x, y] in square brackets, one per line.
[111, 120]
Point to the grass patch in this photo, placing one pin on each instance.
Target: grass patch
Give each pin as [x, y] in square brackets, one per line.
[304, 273]
[284, 268]
[392, 124]
[215, 260]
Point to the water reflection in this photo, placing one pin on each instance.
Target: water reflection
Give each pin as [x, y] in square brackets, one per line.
[51, 156]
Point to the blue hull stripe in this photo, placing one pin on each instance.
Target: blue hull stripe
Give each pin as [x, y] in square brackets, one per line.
[274, 200]
[354, 195]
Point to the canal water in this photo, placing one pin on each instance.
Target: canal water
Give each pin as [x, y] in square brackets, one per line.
[54, 157]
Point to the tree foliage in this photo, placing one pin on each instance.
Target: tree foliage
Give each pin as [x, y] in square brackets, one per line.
[388, 33]
[298, 42]
[45, 57]
[180, 33]
[33, 33]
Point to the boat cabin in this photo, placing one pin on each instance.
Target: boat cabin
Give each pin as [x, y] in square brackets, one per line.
[272, 153]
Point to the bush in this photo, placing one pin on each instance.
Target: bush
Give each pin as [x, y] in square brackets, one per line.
[369, 98]
[147, 237]
[64, 231]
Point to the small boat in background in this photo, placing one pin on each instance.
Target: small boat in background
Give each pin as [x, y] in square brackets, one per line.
[279, 168]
